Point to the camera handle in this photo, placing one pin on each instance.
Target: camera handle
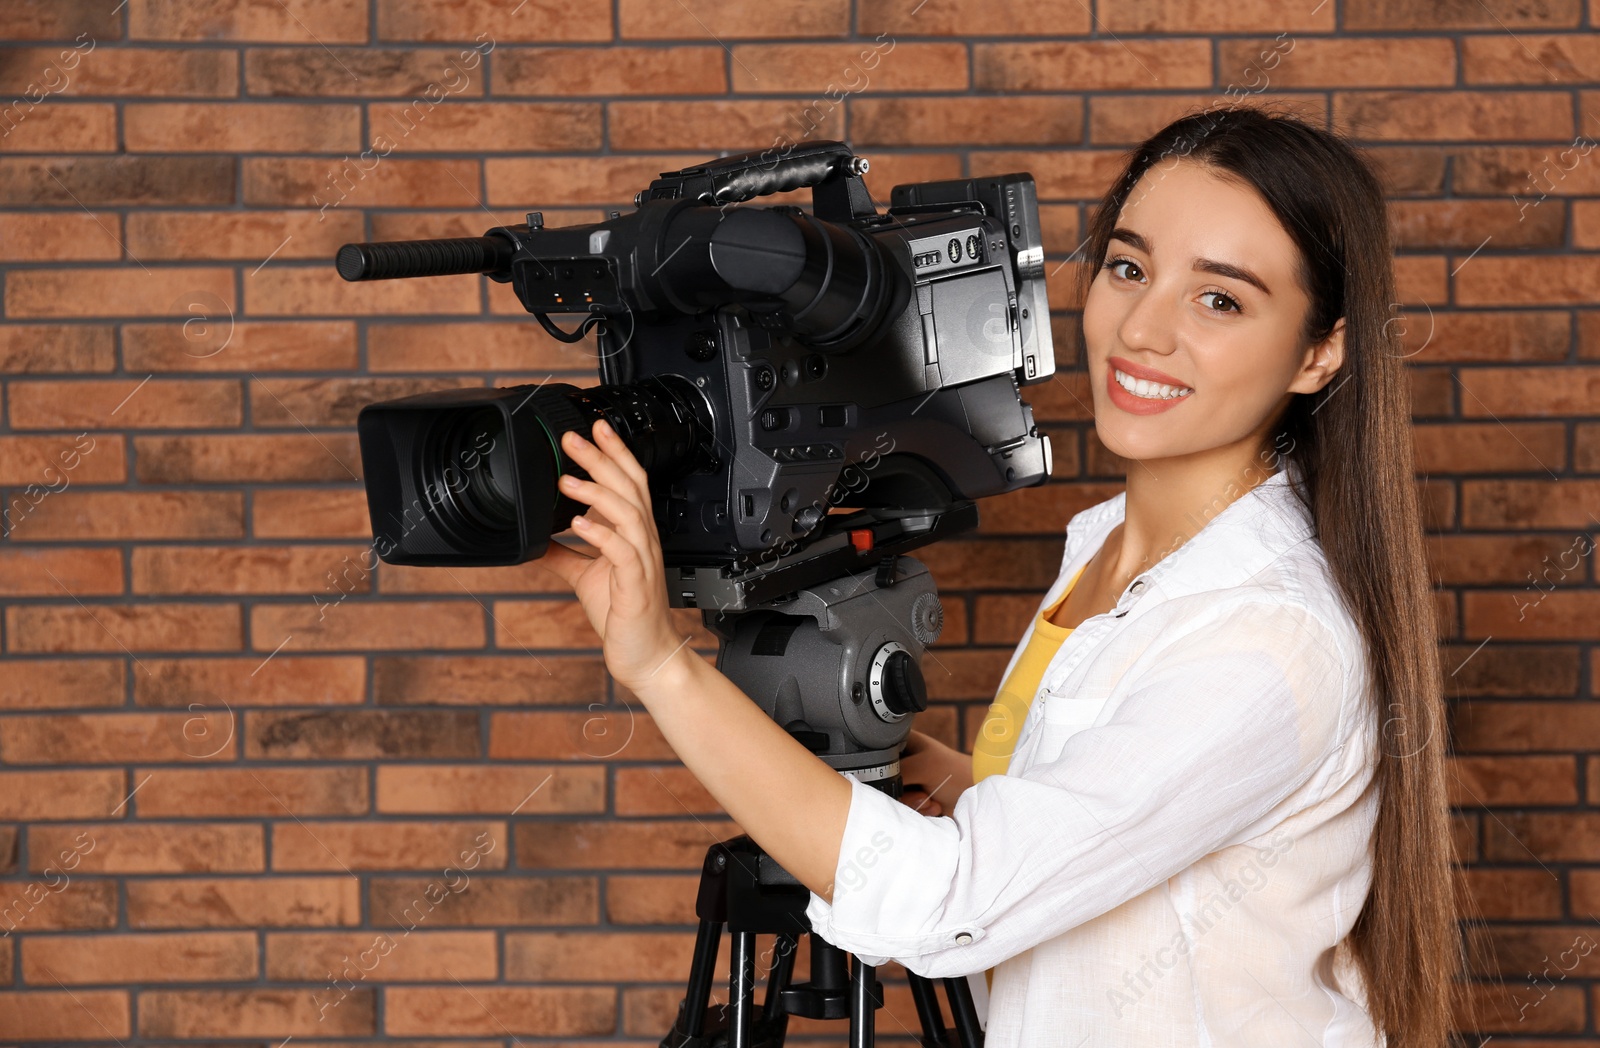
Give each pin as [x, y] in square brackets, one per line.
[835, 659]
[830, 168]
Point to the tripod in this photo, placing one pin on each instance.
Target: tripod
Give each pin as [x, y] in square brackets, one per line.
[833, 660]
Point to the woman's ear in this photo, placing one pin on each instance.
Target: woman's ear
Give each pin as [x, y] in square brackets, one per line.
[1322, 361]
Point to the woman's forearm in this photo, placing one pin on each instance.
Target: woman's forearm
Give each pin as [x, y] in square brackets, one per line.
[780, 793]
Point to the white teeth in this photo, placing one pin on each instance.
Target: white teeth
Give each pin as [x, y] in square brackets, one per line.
[1141, 387]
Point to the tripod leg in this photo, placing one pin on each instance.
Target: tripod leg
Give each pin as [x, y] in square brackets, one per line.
[742, 989]
[861, 1004]
[779, 975]
[965, 1012]
[934, 1034]
[701, 971]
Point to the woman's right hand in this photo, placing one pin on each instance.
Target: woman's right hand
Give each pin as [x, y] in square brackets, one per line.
[934, 774]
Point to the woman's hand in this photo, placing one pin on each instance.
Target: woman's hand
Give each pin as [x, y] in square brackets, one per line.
[934, 774]
[623, 589]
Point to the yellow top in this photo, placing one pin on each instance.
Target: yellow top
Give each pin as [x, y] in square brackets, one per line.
[998, 736]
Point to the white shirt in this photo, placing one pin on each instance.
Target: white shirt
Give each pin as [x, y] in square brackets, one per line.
[1181, 842]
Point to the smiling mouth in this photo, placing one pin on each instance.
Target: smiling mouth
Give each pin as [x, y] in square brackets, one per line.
[1142, 387]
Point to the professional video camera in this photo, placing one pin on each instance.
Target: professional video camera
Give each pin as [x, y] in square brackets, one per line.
[764, 365]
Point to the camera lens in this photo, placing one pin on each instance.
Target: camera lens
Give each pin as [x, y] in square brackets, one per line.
[480, 450]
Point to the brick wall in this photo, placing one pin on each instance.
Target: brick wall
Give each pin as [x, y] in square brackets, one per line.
[254, 790]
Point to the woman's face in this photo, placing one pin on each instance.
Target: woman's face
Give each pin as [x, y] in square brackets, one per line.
[1180, 308]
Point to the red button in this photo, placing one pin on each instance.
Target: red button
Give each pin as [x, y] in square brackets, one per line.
[861, 539]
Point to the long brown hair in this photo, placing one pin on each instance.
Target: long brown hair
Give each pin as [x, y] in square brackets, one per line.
[1352, 439]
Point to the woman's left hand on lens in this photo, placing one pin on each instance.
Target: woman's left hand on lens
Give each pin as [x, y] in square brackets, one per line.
[622, 590]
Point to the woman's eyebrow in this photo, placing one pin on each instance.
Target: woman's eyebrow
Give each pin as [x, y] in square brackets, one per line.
[1205, 265]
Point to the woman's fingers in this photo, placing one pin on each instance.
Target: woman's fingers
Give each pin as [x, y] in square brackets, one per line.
[603, 464]
[613, 444]
[624, 516]
[565, 562]
[624, 557]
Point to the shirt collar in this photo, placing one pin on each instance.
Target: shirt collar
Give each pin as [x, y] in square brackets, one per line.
[1231, 547]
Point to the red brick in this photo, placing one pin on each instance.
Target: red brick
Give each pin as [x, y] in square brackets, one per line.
[254, 569]
[1482, 336]
[111, 628]
[278, 1014]
[408, 956]
[543, 624]
[650, 899]
[1446, 115]
[1532, 613]
[61, 902]
[58, 572]
[244, 902]
[1087, 65]
[67, 20]
[1458, 14]
[1127, 118]
[1489, 447]
[722, 124]
[575, 180]
[108, 738]
[389, 845]
[1464, 224]
[956, 121]
[135, 515]
[1533, 173]
[1293, 61]
[179, 793]
[59, 236]
[362, 71]
[65, 1015]
[472, 346]
[642, 20]
[488, 680]
[331, 625]
[355, 181]
[858, 68]
[1512, 781]
[152, 847]
[1586, 447]
[247, 457]
[1528, 503]
[109, 181]
[600, 733]
[244, 346]
[252, 235]
[301, 290]
[1516, 727]
[1408, 170]
[1500, 392]
[130, 403]
[1502, 894]
[1527, 280]
[53, 463]
[49, 126]
[423, 225]
[136, 292]
[1548, 836]
[610, 71]
[491, 1011]
[332, 401]
[311, 513]
[497, 901]
[591, 957]
[76, 683]
[284, 680]
[362, 734]
[424, 126]
[540, 20]
[1467, 559]
[186, 957]
[675, 844]
[476, 790]
[46, 348]
[190, 72]
[36, 796]
[241, 127]
[291, 22]
[664, 790]
[898, 18]
[528, 577]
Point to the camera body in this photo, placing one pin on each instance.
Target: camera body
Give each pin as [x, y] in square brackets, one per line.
[765, 365]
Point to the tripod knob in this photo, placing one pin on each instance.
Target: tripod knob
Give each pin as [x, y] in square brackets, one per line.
[898, 687]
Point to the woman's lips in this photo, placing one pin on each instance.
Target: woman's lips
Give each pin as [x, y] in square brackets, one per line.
[1136, 405]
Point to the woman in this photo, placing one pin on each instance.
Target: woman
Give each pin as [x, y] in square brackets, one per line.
[1221, 818]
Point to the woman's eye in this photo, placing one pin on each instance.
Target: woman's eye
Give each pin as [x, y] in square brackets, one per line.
[1232, 305]
[1115, 262]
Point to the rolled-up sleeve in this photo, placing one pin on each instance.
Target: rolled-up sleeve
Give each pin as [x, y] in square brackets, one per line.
[1219, 728]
